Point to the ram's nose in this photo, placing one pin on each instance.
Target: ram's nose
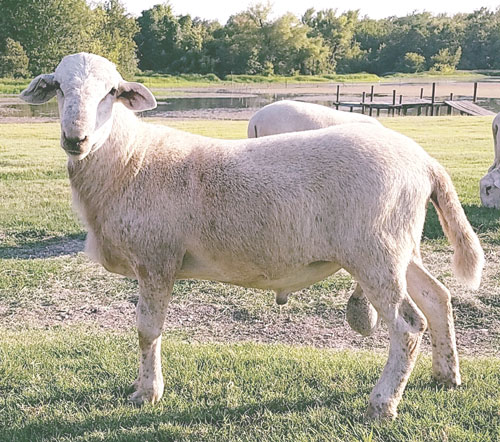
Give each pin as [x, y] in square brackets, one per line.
[74, 146]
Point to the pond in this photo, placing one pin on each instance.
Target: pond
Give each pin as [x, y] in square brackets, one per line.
[237, 108]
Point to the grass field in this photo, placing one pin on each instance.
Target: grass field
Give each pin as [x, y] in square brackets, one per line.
[70, 385]
[68, 349]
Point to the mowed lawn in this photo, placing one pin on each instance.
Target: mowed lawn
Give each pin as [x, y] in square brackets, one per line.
[68, 348]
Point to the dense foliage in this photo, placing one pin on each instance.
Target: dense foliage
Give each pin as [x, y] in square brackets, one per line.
[47, 30]
[35, 34]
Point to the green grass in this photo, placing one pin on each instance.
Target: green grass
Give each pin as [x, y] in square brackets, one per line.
[433, 75]
[171, 81]
[296, 79]
[70, 385]
[61, 382]
[13, 86]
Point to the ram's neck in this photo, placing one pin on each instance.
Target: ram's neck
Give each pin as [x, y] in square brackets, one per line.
[96, 178]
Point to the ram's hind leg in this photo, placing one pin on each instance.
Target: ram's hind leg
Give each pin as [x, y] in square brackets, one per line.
[434, 299]
[406, 325]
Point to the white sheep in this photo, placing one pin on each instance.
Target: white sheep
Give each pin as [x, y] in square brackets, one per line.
[489, 185]
[276, 213]
[295, 116]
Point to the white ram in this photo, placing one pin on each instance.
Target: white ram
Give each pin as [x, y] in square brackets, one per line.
[277, 213]
[296, 116]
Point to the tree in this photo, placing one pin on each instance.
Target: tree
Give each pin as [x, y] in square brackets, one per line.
[157, 38]
[412, 62]
[246, 42]
[445, 60]
[337, 32]
[253, 43]
[291, 48]
[112, 36]
[481, 40]
[47, 30]
[13, 60]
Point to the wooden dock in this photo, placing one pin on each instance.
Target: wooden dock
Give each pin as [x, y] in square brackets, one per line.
[468, 108]
[420, 106]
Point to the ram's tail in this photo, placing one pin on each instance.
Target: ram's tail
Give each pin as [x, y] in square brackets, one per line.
[468, 259]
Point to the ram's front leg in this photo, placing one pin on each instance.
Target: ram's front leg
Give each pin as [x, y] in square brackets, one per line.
[154, 296]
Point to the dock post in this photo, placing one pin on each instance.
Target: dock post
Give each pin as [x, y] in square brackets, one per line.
[474, 98]
[363, 103]
[400, 102]
[338, 93]
[450, 109]
[371, 99]
[433, 97]
[421, 93]
[393, 100]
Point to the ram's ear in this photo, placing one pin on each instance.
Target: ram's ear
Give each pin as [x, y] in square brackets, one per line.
[40, 90]
[496, 181]
[135, 96]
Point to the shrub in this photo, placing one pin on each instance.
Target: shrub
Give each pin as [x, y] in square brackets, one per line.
[13, 60]
[412, 62]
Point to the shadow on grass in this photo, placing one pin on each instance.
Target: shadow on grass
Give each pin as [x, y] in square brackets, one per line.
[171, 424]
[483, 219]
[47, 248]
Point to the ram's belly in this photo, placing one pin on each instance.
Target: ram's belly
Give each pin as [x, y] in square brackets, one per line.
[282, 279]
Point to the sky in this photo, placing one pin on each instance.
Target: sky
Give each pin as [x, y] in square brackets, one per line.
[222, 9]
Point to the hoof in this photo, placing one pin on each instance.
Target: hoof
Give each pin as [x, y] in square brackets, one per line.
[360, 314]
[380, 413]
[141, 397]
[449, 382]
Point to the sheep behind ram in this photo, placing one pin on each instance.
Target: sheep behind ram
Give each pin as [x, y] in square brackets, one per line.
[276, 213]
[295, 116]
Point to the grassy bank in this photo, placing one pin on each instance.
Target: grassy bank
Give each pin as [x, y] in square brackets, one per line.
[10, 86]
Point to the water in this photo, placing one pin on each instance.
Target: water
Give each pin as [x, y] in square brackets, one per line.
[201, 107]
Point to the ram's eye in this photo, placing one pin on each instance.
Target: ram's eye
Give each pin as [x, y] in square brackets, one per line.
[112, 91]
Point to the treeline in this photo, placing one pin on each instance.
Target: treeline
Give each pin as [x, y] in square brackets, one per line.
[36, 34]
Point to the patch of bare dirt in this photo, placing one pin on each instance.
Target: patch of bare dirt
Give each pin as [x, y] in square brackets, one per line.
[215, 323]
[196, 319]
